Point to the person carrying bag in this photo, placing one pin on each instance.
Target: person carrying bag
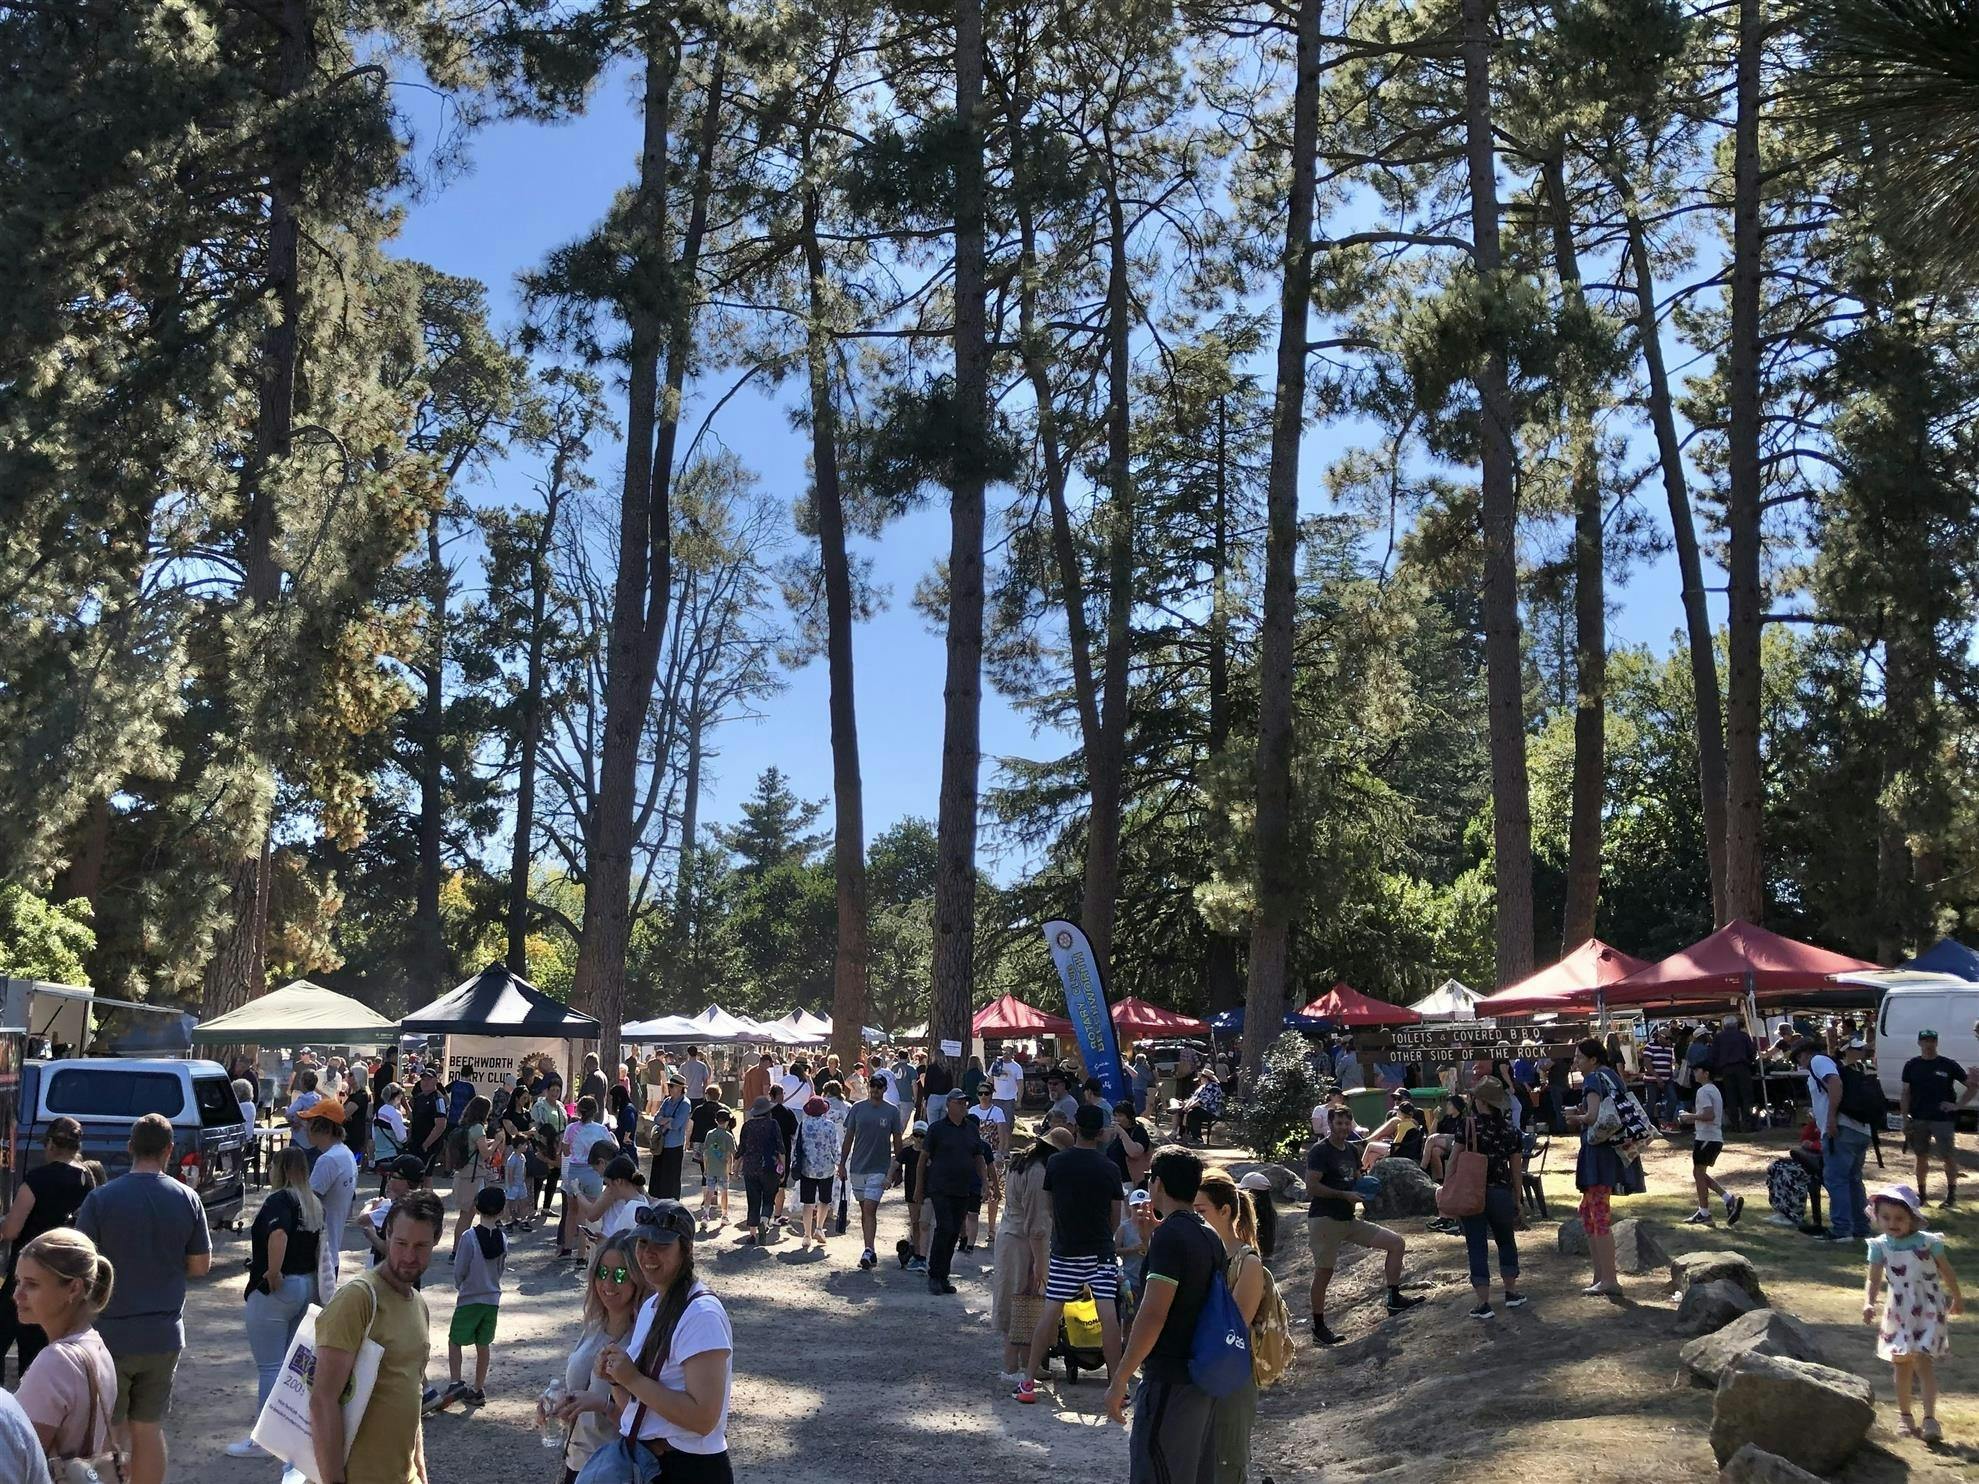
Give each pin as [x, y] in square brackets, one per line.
[105, 1467]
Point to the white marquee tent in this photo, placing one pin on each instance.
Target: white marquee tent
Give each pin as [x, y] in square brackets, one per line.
[1448, 1001]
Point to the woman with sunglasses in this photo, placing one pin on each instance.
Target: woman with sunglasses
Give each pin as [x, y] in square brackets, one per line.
[673, 1373]
[611, 1305]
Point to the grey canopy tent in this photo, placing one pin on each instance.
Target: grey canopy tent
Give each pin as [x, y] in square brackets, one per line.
[299, 1014]
[496, 1002]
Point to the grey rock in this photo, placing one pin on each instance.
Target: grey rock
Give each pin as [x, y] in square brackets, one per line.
[1752, 1465]
[1764, 1331]
[1285, 1182]
[1406, 1191]
[1813, 1416]
[1639, 1247]
[1573, 1238]
[1714, 1267]
[1708, 1307]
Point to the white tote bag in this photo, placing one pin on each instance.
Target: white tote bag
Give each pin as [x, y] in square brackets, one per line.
[283, 1428]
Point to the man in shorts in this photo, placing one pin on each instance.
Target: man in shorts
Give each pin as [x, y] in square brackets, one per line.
[1085, 1212]
[1333, 1173]
[153, 1229]
[868, 1156]
[1929, 1109]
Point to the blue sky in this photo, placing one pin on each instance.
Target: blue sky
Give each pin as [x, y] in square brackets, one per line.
[533, 186]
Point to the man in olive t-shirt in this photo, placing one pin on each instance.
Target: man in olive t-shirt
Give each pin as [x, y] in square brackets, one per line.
[383, 1305]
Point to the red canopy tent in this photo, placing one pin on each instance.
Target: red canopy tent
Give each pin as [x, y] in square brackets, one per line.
[1139, 1018]
[1739, 955]
[1010, 1016]
[1345, 1005]
[1568, 985]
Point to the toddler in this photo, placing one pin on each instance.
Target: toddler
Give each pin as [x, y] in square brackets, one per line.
[1923, 1296]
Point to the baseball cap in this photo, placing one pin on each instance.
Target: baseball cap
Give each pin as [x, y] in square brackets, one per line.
[329, 1111]
[1139, 1198]
[957, 1095]
[663, 1221]
[408, 1167]
[1927, 1035]
[920, 1126]
[1089, 1119]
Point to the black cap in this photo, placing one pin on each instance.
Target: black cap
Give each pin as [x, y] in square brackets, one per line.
[1090, 1118]
[663, 1221]
[408, 1167]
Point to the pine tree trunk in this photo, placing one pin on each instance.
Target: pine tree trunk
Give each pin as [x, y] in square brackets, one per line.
[1271, 922]
[1498, 508]
[521, 850]
[962, 692]
[1590, 606]
[642, 589]
[237, 971]
[1900, 924]
[1745, 880]
[1221, 971]
[429, 943]
[1698, 637]
[849, 969]
[1108, 767]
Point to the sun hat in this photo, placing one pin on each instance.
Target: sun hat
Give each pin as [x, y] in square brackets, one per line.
[761, 1106]
[1491, 1093]
[1903, 1195]
[1059, 1138]
[814, 1106]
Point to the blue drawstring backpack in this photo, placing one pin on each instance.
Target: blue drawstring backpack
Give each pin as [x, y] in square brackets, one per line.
[1220, 1352]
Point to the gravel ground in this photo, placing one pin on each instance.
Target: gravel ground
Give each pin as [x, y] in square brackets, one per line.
[840, 1375]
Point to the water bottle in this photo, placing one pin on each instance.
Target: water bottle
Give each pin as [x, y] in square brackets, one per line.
[555, 1429]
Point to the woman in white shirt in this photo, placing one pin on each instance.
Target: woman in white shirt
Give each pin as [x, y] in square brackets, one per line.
[673, 1374]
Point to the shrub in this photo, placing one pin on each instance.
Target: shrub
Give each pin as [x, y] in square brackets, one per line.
[1275, 1120]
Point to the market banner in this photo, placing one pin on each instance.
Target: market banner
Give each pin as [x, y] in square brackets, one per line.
[1086, 1007]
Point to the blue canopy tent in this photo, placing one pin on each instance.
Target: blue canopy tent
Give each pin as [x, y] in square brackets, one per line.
[1947, 956]
[1230, 1023]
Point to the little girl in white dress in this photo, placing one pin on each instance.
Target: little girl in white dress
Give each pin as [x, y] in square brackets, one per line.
[1915, 1317]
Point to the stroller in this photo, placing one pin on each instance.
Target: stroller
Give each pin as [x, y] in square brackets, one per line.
[1080, 1342]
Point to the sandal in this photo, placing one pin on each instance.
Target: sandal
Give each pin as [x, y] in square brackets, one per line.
[1906, 1425]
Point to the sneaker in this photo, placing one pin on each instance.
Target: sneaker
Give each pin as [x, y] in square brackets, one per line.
[1839, 1237]
[917, 1264]
[1776, 1219]
[1026, 1392]
[245, 1448]
[1949, 1203]
[1012, 1379]
[1321, 1335]
[1932, 1433]
[457, 1391]
[1734, 1208]
[1812, 1229]
[1698, 1218]
[1516, 1301]
[867, 1260]
[1401, 1303]
[1483, 1311]
[475, 1397]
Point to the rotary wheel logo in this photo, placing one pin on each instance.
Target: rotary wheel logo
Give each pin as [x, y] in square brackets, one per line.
[1064, 938]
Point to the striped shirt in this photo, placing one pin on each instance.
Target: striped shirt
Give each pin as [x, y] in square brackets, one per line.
[1659, 1061]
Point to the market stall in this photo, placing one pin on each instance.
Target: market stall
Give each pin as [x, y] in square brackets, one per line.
[496, 1020]
[299, 1014]
[1450, 1000]
[1566, 987]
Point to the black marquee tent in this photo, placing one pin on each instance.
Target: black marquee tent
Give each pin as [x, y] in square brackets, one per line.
[497, 1003]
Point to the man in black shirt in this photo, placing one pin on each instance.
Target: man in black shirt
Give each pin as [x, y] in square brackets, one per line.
[951, 1157]
[1333, 1167]
[786, 1122]
[1085, 1212]
[937, 1082]
[427, 1128]
[1929, 1111]
[1172, 1441]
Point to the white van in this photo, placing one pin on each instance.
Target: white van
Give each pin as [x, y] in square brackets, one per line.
[1927, 1002]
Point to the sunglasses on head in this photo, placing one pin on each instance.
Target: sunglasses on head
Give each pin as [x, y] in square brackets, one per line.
[616, 1274]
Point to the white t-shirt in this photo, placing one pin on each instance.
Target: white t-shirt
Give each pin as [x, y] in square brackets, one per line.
[796, 1092]
[578, 1141]
[620, 1216]
[989, 1117]
[395, 1121]
[335, 1181]
[1712, 1101]
[703, 1327]
[1820, 1067]
[1006, 1080]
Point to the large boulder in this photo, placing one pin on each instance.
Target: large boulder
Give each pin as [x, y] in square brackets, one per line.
[1718, 1267]
[1639, 1247]
[1285, 1182]
[1752, 1465]
[1406, 1190]
[1573, 1238]
[1813, 1416]
[1708, 1307]
[1763, 1331]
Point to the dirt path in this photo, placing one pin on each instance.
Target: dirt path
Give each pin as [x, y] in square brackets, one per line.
[842, 1377]
[845, 1377]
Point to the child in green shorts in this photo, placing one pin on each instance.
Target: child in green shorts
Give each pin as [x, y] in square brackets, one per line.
[480, 1256]
[717, 1147]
